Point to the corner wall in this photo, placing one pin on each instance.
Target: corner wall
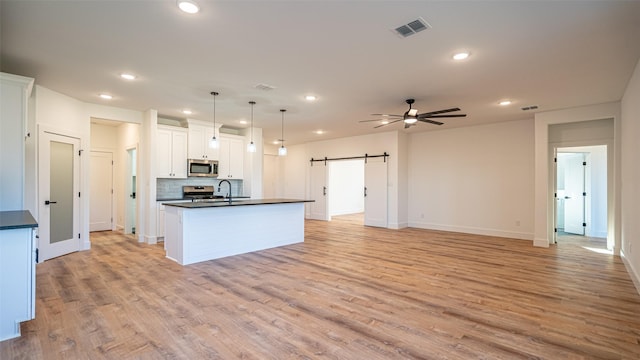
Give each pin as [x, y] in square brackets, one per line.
[630, 176]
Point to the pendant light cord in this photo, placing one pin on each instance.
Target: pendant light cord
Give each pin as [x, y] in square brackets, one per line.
[214, 93]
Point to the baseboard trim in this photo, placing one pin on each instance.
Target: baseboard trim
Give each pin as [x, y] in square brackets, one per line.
[631, 270]
[473, 230]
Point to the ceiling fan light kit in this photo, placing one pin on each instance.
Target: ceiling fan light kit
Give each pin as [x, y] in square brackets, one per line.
[411, 116]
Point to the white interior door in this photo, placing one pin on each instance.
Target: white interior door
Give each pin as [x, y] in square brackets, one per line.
[130, 191]
[58, 196]
[375, 192]
[318, 209]
[101, 191]
[573, 190]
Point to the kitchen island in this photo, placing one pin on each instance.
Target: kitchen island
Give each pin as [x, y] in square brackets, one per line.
[200, 231]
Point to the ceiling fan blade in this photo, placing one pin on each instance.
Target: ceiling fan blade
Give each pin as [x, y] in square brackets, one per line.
[441, 116]
[387, 115]
[389, 123]
[440, 111]
[431, 121]
[371, 120]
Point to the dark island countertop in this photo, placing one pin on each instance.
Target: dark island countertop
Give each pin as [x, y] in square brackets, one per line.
[240, 202]
[19, 219]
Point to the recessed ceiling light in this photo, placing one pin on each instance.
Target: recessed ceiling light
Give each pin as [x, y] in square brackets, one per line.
[128, 76]
[188, 6]
[384, 122]
[243, 122]
[187, 112]
[276, 142]
[106, 96]
[461, 56]
[319, 132]
[505, 102]
[310, 97]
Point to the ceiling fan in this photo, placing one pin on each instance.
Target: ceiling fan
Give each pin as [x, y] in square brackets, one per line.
[411, 116]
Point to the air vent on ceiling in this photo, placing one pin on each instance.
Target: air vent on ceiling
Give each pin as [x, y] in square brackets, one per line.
[412, 27]
[530, 107]
[265, 87]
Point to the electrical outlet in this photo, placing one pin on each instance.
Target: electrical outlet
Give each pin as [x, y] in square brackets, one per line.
[517, 222]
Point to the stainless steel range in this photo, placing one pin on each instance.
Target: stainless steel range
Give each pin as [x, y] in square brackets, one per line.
[199, 193]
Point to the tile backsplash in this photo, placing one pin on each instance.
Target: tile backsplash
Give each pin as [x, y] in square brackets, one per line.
[172, 188]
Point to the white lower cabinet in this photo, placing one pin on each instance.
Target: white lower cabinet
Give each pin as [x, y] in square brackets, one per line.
[17, 280]
[160, 217]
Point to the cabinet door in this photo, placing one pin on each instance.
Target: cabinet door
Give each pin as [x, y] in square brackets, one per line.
[236, 159]
[197, 142]
[179, 154]
[224, 169]
[163, 153]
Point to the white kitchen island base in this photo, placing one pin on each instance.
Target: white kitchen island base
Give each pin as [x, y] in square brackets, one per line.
[195, 233]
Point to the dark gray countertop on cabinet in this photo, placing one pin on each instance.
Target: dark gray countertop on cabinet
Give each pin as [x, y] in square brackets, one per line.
[18, 219]
[244, 202]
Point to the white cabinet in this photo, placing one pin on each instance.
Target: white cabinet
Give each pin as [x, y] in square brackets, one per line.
[171, 152]
[160, 216]
[17, 271]
[15, 91]
[199, 137]
[231, 157]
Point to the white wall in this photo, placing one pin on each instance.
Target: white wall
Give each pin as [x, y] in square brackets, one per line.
[475, 180]
[630, 208]
[346, 187]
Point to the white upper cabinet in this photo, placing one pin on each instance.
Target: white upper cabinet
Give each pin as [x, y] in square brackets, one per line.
[14, 96]
[231, 157]
[172, 152]
[199, 136]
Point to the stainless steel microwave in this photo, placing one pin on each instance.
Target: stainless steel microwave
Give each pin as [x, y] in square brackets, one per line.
[200, 167]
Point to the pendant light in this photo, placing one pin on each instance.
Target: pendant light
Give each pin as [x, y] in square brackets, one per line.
[283, 150]
[213, 142]
[251, 147]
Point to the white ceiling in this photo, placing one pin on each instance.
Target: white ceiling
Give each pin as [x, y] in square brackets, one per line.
[554, 54]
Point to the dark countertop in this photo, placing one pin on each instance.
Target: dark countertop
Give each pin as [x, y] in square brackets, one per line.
[244, 202]
[19, 219]
[183, 199]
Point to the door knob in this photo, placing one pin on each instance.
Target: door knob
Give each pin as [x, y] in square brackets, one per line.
[47, 202]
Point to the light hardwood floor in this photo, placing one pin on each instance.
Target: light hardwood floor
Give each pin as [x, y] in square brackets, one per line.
[347, 292]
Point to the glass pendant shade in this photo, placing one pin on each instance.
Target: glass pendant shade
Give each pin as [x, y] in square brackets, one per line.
[251, 147]
[282, 151]
[213, 143]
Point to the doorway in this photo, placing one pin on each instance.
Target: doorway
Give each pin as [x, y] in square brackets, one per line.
[358, 184]
[58, 194]
[581, 194]
[130, 190]
[101, 191]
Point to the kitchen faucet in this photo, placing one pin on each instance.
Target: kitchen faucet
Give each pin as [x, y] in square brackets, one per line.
[220, 185]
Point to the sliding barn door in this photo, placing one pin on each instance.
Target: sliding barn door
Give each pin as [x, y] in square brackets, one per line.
[318, 209]
[375, 192]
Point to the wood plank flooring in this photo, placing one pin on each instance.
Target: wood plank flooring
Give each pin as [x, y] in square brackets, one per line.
[347, 292]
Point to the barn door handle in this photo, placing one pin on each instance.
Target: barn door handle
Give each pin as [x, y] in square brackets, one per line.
[47, 202]
[365, 191]
[324, 191]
